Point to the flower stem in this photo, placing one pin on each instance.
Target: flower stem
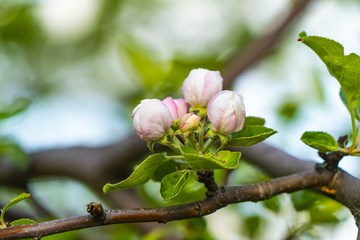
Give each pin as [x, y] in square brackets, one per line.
[357, 138]
[201, 139]
[193, 141]
[353, 125]
[174, 157]
[208, 144]
[175, 144]
[3, 225]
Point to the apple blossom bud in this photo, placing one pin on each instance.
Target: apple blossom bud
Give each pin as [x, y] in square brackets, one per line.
[177, 107]
[152, 119]
[226, 112]
[189, 122]
[200, 86]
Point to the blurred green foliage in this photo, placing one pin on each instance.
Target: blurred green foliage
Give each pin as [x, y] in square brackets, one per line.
[128, 53]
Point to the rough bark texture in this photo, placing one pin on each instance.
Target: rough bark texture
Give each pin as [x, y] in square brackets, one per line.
[221, 198]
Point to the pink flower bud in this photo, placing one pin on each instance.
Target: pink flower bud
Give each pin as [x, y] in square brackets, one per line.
[226, 112]
[177, 107]
[152, 119]
[189, 122]
[200, 86]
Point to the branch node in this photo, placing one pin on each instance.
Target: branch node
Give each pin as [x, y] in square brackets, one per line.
[331, 159]
[342, 141]
[96, 210]
[207, 178]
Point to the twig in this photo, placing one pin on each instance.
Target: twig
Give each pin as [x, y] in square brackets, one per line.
[207, 177]
[223, 197]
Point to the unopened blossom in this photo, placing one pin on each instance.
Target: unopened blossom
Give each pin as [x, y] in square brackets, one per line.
[177, 107]
[152, 119]
[200, 86]
[226, 112]
[189, 122]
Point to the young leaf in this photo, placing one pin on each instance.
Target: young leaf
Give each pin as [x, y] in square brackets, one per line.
[150, 145]
[166, 168]
[23, 221]
[223, 160]
[250, 120]
[250, 135]
[321, 141]
[14, 201]
[302, 34]
[141, 174]
[345, 68]
[172, 184]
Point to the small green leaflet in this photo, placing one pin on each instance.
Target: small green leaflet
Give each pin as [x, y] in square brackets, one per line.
[14, 201]
[172, 184]
[250, 135]
[23, 221]
[150, 145]
[345, 68]
[250, 120]
[321, 141]
[141, 174]
[209, 161]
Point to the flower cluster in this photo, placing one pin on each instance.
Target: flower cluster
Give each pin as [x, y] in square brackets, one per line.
[202, 90]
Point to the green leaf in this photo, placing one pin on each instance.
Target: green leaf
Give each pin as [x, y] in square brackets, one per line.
[14, 153]
[325, 212]
[304, 200]
[172, 184]
[320, 208]
[273, 204]
[302, 34]
[14, 201]
[23, 221]
[209, 161]
[321, 141]
[18, 106]
[345, 68]
[253, 225]
[141, 174]
[250, 135]
[168, 167]
[250, 120]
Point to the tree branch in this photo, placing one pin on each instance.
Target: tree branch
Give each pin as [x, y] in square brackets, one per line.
[259, 48]
[343, 188]
[222, 197]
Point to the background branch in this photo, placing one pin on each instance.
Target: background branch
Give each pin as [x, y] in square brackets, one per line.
[262, 46]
